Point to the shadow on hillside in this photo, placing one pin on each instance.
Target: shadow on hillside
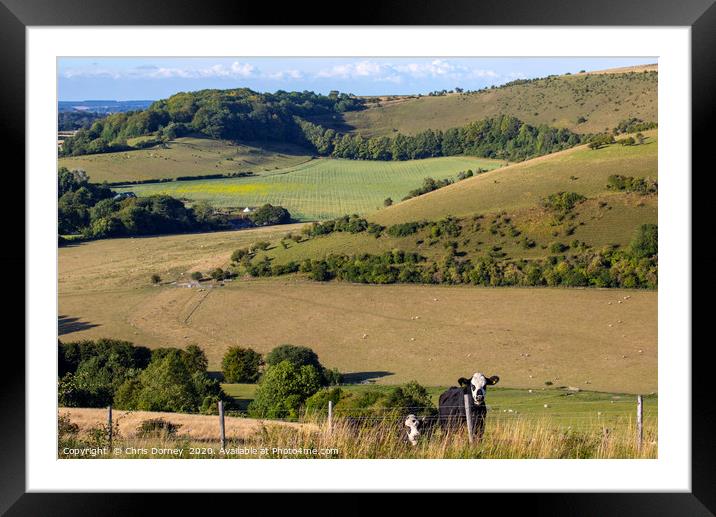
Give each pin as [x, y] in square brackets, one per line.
[363, 377]
[68, 324]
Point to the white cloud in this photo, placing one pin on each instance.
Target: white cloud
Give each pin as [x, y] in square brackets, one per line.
[283, 74]
[351, 70]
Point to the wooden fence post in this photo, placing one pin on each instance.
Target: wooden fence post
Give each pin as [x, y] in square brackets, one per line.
[330, 416]
[468, 417]
[639, 422]
[222, 433]
[109, 425]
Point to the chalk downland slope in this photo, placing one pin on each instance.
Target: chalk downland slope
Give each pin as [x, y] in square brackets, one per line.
[508, 199]
[186, 156]
[602, 98]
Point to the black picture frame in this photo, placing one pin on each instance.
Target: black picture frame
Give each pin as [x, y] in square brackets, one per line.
[700, 15]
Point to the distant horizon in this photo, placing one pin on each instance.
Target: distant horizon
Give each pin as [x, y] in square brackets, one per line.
[151, 79]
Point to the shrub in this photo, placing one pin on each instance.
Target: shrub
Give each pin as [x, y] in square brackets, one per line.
[562, 202]
[260, 246]
[405, 229]
[156, 278]
[197, 275]
[557, 247]
[157, 427]
[241, 365]
[240, 254]
[317, 404]
[387, 201]
[269, 214]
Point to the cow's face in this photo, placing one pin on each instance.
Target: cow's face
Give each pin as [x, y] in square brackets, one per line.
[478, 386]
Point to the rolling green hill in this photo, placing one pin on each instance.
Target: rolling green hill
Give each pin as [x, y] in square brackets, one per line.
[508, 199]
[603, 99]
[321, 188]
[185, 156]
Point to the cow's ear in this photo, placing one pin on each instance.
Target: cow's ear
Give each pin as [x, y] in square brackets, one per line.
[492, 380]
[463, 382]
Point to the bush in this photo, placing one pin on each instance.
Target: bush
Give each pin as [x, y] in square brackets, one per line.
[317, 404]
[260, 246]
[557, 247]
[157, 427]
[197, 276]
[269, 214]
[405, 229]
[240, 254]
[283, 390]
[156, 278]
[387, 201]
[241, 365]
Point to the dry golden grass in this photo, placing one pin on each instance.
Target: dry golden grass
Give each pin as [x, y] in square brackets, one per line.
[577, 337]
[194, 427]
[515, 438]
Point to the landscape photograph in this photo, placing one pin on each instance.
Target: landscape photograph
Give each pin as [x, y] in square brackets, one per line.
[357, 258]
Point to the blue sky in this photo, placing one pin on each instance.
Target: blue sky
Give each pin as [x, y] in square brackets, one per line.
[157, 78]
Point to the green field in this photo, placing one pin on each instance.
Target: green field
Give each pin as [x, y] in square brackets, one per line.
[321, 188]
[187, 156]
[564, 407]
[602, 99]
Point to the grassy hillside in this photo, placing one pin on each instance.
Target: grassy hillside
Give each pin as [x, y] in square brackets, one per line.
[522, 185]
[321, 188]
[509, 201]
[187, 156]
[603, 99]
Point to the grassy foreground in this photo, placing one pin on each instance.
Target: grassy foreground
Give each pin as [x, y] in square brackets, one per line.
[514, 435]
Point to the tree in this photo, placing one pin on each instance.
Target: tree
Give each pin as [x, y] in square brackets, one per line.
[296, 355]
[387, 202]
[195, 359]
[156, 278]
[197, 275]
[283, 390]
[269, 214]
[646, 241]
[241, 365]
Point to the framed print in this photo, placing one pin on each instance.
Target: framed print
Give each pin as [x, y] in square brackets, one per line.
[268, 263]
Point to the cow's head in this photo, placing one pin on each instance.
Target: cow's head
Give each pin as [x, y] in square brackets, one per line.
[412, 423]
[478, 386]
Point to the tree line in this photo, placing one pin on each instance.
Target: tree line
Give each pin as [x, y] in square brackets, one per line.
[242, 114]
[502, 137]
[95, 211]
[235, 114]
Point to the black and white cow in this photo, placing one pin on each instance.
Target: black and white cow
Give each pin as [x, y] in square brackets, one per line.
[420, 426]
[451, 405]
